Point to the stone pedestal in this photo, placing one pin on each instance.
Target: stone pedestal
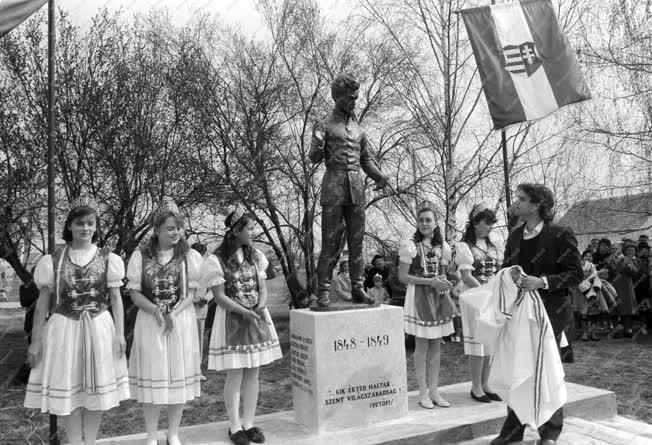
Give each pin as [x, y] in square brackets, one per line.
[348, 367]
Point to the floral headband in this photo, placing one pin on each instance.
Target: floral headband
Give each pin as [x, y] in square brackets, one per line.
[481, 207]
[426, 205]
[167, 205]
[84, 201]
[235, 215]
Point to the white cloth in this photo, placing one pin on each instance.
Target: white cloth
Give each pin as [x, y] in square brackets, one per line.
[44, 271]
[526, 370]
[464, 260]
[407, 252]
[55, 385]
[165, 369]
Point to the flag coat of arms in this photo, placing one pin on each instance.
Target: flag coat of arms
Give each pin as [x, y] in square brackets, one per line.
[527, 67]
[14, 12]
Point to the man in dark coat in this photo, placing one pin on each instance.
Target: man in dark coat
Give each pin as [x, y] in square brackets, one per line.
[379, 267]
[28, 294]
[548, 254]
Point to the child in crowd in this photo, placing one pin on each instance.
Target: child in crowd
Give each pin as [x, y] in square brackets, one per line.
[378, 291]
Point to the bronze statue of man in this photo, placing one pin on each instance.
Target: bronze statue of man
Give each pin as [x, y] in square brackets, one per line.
[343, 146]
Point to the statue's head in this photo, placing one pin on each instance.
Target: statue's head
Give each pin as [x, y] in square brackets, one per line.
[344, 90]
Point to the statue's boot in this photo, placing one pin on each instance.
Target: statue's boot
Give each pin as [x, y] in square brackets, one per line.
[358, 295]
[321, 300]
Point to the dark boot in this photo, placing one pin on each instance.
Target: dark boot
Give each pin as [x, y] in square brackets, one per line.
[512, 430]
[321, 300]
[358, 295]
[22, 376]
[628, 323]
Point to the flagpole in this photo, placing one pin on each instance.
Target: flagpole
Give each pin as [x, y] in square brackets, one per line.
[54, 436]
[503, 144]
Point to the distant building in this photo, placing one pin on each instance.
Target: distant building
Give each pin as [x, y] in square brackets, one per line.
[615, 218]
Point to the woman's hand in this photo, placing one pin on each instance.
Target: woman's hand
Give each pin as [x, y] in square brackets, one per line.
[34, 353]
[441, 284]
[159, 317]
[260, 311]
[251, 315]
[170, 323]
[119, 346]
[198, 300]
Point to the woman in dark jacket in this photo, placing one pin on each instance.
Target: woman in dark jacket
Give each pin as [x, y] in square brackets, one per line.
[28, 294]
[626, 269]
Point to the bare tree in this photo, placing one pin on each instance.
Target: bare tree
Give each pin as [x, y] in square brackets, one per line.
[618, 46]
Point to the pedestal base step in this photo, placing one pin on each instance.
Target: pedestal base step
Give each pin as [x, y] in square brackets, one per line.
[465, 420]
[615, 431]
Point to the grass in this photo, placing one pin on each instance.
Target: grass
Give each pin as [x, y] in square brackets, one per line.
[619, 365]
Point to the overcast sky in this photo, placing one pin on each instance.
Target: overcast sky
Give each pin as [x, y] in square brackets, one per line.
[242, 12]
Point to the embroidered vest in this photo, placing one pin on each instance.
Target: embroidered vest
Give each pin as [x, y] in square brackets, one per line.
[485, 263]
[79, 289]
[164, 285]
[426, 263]
[241, 285]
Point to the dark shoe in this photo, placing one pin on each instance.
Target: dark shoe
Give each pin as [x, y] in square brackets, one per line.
[483, 398]
[255, 435]
[493, 396]
[594, 337]
[360, 296]
[547, 442]
[239, 438]
[628, 334]
[22, 376]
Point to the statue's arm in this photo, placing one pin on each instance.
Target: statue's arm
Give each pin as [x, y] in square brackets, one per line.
[317, 143]
[368, 163]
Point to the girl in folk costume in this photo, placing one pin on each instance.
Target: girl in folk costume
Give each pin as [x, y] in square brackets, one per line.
[478, 259]
[243, 336]
[164, 366]
[429, 309]
[78, 364]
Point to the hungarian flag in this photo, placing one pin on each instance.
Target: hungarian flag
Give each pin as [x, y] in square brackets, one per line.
[14, 12]
[527, 67]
